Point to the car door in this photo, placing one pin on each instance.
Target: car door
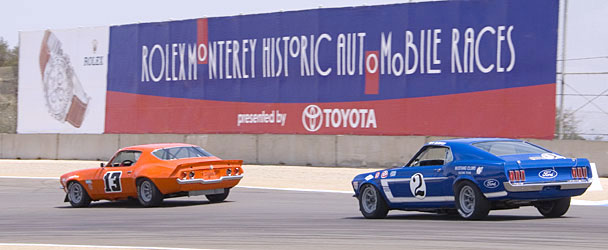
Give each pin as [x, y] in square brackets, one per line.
[421, 182]
[117, 180]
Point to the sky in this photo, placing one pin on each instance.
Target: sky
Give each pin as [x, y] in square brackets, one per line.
[27, 15]
[586, 49]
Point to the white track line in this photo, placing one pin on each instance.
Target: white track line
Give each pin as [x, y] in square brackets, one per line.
[589, 203]
[574, 201]
[299, 190]
[29, 177]
[95, 246]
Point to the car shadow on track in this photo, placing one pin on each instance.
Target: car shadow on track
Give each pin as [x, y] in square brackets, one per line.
[443, 217]
[135, 204]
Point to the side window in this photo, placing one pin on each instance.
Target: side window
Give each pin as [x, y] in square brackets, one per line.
[432, 156]
[125, 158]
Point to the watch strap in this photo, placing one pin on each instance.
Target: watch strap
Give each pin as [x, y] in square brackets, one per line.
[76, 112]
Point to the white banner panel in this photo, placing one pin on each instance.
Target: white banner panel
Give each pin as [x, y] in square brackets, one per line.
[62, 80]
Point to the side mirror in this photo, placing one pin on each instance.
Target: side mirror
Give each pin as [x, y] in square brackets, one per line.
[101, 165]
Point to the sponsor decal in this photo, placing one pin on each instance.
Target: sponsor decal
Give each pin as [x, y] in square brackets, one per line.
[418, 186]
[547, 174]
[384, 174]
[436, 143]
[314, 118]
[491, 183]
[479, 170]
[93, 60]
[377, 175]
[547, 156]
[393, 173]
[273, 117]
[467, 169]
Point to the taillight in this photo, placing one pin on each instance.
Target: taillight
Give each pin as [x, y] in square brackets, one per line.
[579, 173]
[585, 172]
[517, 175]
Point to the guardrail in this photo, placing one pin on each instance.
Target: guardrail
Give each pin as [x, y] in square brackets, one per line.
[311, 150]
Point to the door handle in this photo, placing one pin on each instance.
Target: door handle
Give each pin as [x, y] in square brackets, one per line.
[438, 170]
[128, 172]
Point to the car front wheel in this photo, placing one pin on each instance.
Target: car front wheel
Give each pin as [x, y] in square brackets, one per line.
[371, 203]
[553, 208]
[213, 198]
[148, 194]
[470, 202]
[77, 195]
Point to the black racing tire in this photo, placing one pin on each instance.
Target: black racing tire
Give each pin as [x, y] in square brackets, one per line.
[148, 194]
[77, 195]
[471, 204]
[553, 208]
[371, 203]
[214, 198]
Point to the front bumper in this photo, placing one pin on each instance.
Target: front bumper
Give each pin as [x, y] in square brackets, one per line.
[514, 187]
[213, 181]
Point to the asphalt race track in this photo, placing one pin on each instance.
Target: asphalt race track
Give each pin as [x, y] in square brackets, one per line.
[33, 211]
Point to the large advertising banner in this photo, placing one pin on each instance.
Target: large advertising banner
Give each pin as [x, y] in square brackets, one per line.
[454, 68]
[62, 80]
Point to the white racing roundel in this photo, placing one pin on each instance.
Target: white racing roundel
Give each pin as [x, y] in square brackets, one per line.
[417, 186]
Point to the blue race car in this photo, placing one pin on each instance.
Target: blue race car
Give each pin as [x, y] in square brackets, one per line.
[472, 177]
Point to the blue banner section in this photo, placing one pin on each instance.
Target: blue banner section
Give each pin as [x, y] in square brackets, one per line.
[340, 55]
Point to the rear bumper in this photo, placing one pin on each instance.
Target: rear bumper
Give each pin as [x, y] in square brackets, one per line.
[540, 186]
[214, 181]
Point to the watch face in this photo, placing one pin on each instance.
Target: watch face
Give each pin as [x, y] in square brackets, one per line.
[58, 85]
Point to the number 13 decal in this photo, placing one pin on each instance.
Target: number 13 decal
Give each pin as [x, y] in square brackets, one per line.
[112, 181]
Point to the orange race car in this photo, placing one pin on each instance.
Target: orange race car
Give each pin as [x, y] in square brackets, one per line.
[153, 172]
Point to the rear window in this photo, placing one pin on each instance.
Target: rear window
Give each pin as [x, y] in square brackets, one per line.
[180, 153]
[500, 148]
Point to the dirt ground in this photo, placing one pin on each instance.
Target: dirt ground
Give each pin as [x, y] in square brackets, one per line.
[272, 176]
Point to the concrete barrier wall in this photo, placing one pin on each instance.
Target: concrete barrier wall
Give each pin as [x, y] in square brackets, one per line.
[306, 150]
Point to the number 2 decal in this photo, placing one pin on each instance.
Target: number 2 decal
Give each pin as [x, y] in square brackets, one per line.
[112, 181]
[417, 186]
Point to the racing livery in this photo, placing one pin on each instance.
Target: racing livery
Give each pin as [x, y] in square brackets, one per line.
[473, 176]
[153, 172]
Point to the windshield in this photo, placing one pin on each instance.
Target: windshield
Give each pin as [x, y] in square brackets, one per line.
[500, 148]
[180, 153]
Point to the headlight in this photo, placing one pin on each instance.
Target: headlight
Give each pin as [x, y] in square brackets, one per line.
[355, 185]
[228, 171]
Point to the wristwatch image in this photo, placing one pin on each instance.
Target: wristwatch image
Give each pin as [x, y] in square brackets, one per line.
[65, 96]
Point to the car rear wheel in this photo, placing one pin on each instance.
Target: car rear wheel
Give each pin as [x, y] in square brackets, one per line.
[553, 208]
[147, 193]
[470, 202]
[371, 203]
[213, 198]
[77, 195]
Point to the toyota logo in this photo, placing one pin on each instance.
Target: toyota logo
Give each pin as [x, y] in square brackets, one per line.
[312, 118]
